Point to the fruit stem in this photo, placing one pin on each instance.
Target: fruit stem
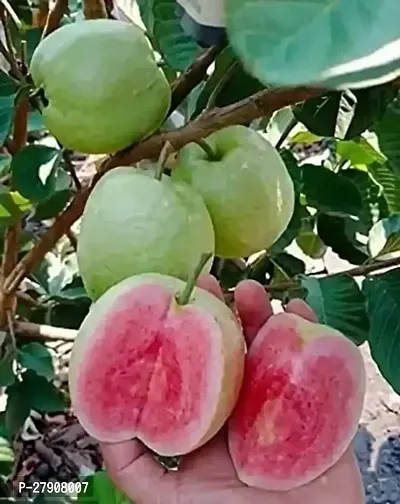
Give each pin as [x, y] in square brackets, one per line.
[165, 152]
[94, 9]
[207, 149]
[184, 297]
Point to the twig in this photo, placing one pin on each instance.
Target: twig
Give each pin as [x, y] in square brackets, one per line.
[70, 168]
[54, 17]
[26, 298]
[72, 239]
[8, 52]
[43, 332]
[192, 77]
[7, 6]
[20, 127]
[9, 260]
[286, 133]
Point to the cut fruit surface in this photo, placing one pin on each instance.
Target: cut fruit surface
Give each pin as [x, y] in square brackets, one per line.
[145, 366]
[299, 406]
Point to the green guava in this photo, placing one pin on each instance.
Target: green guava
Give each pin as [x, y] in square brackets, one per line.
[133, 223]
[145, 366]
[101, 84]
[246, 187]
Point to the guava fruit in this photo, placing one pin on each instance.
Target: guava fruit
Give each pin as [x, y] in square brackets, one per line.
[300, 404]
[134, 223]
[143, 365]
[101, 84]
[246, 187]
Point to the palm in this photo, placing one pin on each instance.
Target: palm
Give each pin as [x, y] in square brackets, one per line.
[208, 476]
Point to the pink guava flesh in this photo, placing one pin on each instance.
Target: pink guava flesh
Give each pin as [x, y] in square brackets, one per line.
[299, 405]
[152, 371]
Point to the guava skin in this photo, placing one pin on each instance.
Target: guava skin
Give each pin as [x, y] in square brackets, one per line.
[102, 84]
[248, 190]
[134, 224]
[300, 404]
[144, 366]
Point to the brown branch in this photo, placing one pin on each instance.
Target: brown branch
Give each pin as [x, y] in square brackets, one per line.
[192, 77]
[43, 332]
[20, 127]
[258, 105]
[40, 14]
[54, 17]
[9, 260]
[94, 9]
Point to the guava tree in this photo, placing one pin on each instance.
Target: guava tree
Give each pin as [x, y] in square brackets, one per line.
[318, 80]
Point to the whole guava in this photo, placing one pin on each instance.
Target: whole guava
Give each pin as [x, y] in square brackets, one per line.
[246, 187]
[102, 87]
[134, 223]
[146, 366]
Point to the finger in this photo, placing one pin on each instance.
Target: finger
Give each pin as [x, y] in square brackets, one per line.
[253, 306]
[302, 309]
[134, 470]
[210, 284]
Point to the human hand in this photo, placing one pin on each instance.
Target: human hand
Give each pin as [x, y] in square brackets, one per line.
[207, 476]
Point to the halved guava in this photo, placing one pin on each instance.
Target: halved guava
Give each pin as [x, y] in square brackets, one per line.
[300, 404]
[144, 366]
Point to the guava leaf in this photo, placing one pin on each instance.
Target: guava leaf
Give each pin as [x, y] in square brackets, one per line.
[163, 22]
[373, 204]
[18, 407]
[390, 184]
[359, 152]
[7, 85]
[37, 357]
[339, 303]
[384, 237]
[337, 44]
[6, 116]
[7, 359]
[35, 120]
[345, 114]
[338, 233]
[387, 131]
[330, 192]
[41, 394]
[12, 206]
[34, 171]
[383, 306]
[5, 164]
[311, 244]
[58, 200]
[101, 490]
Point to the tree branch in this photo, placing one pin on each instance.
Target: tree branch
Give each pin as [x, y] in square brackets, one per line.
[94, 9]
[192, 77]
[257, 105]
[43, 332]
[54, 17]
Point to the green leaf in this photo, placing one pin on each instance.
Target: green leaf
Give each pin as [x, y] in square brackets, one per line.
[338, 303]
[390, 184]
[101, 490]
[18, 407]
[7, 359]
[330, 192]
[37, 357]
[340, 234]
[6, 116]
[7, 85]
[345, 114]
[337, 44]
[5, 164]
[388, 136]
[359, 152]
[311, 244]
[43, 395]
[383, 306]
[58, 200]
[34, 171]
[384, 237]
[12, 206]
[163, 22]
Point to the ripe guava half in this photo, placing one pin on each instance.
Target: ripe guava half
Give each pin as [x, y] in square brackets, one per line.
[145, 366]
[134, 223]
[300, 404]
[247, 189]
[103, 89]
